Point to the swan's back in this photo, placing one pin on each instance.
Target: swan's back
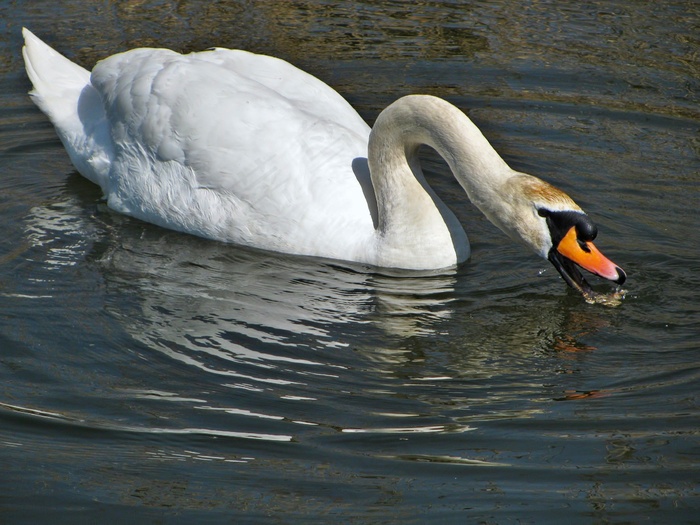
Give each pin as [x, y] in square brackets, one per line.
[223, 144]
[235, 124]
[302, 89]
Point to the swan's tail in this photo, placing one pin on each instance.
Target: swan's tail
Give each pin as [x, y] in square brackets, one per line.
[62, 90]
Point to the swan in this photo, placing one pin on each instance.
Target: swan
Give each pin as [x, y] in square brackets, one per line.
[248, 149]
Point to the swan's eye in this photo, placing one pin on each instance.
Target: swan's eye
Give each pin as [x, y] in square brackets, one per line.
[542, 212]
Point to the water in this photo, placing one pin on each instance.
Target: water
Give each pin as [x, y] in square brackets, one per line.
[151, 376]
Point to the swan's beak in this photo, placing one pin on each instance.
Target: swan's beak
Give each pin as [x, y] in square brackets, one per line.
[571, 252]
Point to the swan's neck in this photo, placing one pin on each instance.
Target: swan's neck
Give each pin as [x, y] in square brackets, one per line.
[410, 216]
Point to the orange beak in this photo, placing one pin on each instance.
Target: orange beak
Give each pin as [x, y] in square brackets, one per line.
[588, 257]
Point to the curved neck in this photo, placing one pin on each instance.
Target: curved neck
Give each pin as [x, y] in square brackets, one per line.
[407, 207]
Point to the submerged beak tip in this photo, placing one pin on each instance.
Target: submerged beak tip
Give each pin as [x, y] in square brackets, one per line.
[621, 275]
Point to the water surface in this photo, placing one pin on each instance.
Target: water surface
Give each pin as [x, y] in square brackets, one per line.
[154, 376]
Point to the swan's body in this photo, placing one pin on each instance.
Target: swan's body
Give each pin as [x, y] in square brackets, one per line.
[248, 149]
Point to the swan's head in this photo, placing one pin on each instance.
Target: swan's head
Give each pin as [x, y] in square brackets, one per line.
[549, 221]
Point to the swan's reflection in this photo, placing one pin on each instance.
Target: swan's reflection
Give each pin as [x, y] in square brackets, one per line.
[221, 298]
[257, 320]
[207, 295]
[235, 303]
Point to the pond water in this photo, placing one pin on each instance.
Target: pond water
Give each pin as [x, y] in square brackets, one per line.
[152, 376]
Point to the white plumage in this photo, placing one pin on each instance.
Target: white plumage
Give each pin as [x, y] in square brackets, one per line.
[248, 149]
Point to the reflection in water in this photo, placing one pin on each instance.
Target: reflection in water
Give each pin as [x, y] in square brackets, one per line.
[258, 321]
[221, 297]
[249, 320]
[269, 297]
[63, 235]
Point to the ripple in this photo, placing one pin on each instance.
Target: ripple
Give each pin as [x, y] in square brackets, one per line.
[206, 432]
[35, 412]
[410, 430]
[450, 460]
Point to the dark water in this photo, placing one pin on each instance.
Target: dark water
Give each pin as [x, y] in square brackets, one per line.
[159, 378]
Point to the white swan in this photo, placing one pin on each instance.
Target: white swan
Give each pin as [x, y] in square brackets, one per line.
[248, 149]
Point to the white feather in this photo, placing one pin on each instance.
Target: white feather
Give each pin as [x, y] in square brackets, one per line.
[249, 149]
